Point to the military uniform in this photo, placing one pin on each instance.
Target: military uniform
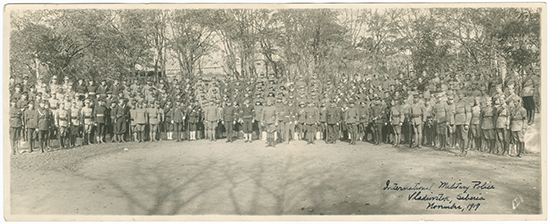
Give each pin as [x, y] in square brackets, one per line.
[487, 126]
[311, 122]
[269, 120]
[15, 127]
[246, 113]
[301, 121]
[333, 119]
[441, 119]
[463, 114]
[31, 124]
[396, 119]
[100, 117]
[352, 116]
[155, 115]
[502, 122]
[475, 127]
[87, 120]
[120, 113]
[229, 114]
[141, 120]
[44, 119]
[63, 117]
[211, 117]
[193, 121]
[289, 122]
[75, 120]
[518, 126]
[417, 122]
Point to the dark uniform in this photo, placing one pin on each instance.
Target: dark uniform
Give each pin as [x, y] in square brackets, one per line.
[333, 119]
[229, 113]
[121, 115]
[311, 122]
[44, 119]
[100, 117]
[30, 119]
[289, 120]
[351, 116]
[15, 127]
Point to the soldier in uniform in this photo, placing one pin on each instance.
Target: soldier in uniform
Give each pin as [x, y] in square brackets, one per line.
[364, 118]
[103, 88]
[301, 120]
[87, 120]
[168, 125]
[311, 122]
[451, 110]
[379, 120]
[43, 125]
[519, 126]
[193, 121]
[133, 106]
[15, 126]
[62, 118]
[322, 122]
[528, 92]
[75, 120]
[246, 114]
[475, 128]
[219, 126]
[352, 116]
[156, 115]
[430, 125]
[120, 114]
[269, 120]
[332, 119]
[502, 122]
[487, 125]
[211, 117]
[31, 123]
[100, 117]
[229, 112]
[441, 120]
[141, 120]
[281, 116]
[289, 121]
[257, 121]
[110, 126]
[417, 121]
[81, 89]
[463, 116]
[396, 119]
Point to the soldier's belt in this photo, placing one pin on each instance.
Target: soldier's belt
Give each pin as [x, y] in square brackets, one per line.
[100, 115]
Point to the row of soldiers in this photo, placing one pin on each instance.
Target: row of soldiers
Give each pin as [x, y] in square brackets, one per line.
[141, 109]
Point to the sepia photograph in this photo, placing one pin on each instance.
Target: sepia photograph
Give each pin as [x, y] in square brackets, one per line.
[180, 112]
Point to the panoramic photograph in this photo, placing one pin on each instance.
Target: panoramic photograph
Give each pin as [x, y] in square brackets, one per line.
[274, 110]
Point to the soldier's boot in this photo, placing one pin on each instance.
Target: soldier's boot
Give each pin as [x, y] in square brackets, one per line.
[521, 147]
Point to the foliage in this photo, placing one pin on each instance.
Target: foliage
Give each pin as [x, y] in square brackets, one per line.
[323, 42]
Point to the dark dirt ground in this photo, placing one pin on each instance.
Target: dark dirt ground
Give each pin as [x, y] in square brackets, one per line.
[202, 177]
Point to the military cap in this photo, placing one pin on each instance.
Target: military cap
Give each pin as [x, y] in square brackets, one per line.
[26, 77]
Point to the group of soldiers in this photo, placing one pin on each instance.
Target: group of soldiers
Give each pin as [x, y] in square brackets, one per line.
[376, 108]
